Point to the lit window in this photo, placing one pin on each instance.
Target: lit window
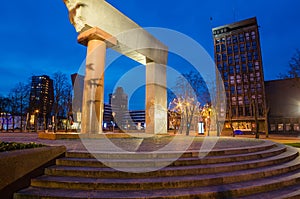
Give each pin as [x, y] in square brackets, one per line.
[272, 127]
[228, 40]
[247, 36]
[296, 127]
[280, 127]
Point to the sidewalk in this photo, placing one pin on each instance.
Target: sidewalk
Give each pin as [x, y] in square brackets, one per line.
[76, 144]
[280, 138]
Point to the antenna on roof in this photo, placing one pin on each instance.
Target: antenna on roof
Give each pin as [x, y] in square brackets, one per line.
[234, 12]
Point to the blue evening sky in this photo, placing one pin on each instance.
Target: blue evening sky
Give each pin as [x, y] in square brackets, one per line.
[37, 37]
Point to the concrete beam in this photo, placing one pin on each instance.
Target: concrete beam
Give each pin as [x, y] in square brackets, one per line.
[133, 41]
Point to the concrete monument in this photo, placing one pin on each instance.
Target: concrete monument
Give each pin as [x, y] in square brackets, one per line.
[102, 26]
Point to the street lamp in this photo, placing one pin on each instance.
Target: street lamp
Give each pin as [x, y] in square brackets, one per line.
[113, 115]
[45, 123]
[36, 118]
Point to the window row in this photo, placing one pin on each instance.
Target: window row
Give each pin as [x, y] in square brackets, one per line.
[245, 111]
[242, 37]
[286, 127]
[249, 56]
[249, 67]
[239, 90]
[243, 47]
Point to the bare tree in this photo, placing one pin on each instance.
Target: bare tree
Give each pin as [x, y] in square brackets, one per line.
[13, 106]
[190, 90]
[4, 110]
[294, 67]
[19, 96]
[62, 92]
[67, 104]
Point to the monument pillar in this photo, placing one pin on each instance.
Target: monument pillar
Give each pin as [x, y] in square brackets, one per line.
[96, 41]
[156, 98]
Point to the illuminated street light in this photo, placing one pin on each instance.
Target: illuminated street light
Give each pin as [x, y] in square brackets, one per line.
[36, 119]
[113, 124]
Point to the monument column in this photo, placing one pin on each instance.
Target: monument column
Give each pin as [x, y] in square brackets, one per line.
[156, 98]
[96, 41]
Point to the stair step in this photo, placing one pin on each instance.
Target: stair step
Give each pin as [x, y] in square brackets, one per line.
[294, 194]
[164, 182]
[264, 170]
[170, 154]
[291, 192]
[92, 162]
[98, 172]
[221, 191]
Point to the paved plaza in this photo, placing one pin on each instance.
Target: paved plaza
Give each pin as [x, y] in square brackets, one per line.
[148, 144]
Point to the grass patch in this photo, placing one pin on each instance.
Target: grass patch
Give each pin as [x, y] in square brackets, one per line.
[10, 146]
[294, 144]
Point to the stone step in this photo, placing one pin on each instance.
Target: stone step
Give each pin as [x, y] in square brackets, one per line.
[231, 190]
[170, 154]
[290, 192]
[103, 172]
[295, 194]
[92, 162]
[86, 183]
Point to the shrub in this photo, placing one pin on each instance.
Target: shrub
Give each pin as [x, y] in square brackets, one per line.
[9, 146]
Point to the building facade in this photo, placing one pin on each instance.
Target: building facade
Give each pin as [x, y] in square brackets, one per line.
[41, 99]
[239, 61]
[119, 105]
[284, 112]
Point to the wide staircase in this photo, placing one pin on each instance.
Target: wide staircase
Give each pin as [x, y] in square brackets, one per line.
[267, 170]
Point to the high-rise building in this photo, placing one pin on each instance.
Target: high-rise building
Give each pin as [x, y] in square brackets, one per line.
[41, 96]
[119, 106]
[238, 59]
[119, 99]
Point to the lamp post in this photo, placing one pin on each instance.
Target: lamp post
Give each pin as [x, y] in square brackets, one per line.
[113, 115]
[36, 118]
[45, 122]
